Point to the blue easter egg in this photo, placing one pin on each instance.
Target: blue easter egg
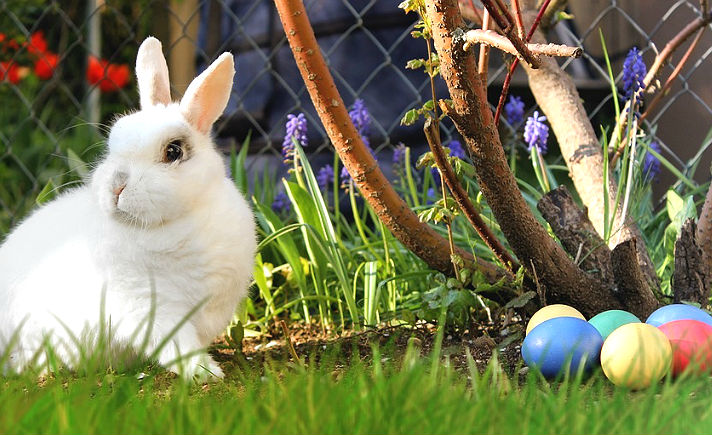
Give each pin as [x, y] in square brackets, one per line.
[671, 312]
[561, 344]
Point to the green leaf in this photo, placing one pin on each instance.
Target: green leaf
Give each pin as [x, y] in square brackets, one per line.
[674, 204]
[415, 63]
[521, 300]
[76, 164]
[48, 193]
[410, 117]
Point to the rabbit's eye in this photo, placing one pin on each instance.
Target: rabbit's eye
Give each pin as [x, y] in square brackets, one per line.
[173, 151]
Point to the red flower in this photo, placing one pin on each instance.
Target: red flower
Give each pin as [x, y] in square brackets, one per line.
[37, 44]
[11, 72]
[46, 64]
[109, 77]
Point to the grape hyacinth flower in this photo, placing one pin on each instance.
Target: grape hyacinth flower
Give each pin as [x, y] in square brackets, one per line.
[514, 111]
[281, 203]
[399, 158]
[296, 129]
[651, 164]
[431, 195]
[634, 71]
[456, 149]
[345, 178]
[362, 120]
[536, 133]
[325, 177]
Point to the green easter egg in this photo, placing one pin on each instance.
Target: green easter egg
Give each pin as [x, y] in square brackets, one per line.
[608, 321]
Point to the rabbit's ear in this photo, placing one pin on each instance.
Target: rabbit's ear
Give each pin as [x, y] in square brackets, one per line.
[152, 74]
[206, 97]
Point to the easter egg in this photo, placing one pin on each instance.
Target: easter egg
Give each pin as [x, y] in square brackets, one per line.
[608, 321]
[636, 355]
[671, 312]
[561, 344]
[691, 342]
[550, 312]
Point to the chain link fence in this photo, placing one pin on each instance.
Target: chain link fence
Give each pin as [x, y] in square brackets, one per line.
[56, 101]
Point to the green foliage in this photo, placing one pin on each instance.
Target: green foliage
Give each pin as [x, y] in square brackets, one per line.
[396, 393]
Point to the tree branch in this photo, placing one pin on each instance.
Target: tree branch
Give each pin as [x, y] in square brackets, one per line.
[690, 281]
[531, 243]
[375, 188]
[462, 199]
[558, 98]
[490, 37]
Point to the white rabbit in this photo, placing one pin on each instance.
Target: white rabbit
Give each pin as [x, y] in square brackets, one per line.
[159, 225]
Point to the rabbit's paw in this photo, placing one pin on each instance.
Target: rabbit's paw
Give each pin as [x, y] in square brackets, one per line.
[200, 368]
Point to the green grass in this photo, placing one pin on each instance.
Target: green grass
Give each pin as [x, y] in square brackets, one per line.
[387, 397]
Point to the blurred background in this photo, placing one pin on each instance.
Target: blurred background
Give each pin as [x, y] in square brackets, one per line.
[66, 69]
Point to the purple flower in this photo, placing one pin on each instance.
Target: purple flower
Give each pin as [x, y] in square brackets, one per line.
[296, 128]
[456, 149]
[399, 154]
[399, 158]
[651, 164]
[362, 121]
[430, 196]
[514, 111]
[325, 177]
[345, 177]
[634, 71]
[361, 118]
[536, 133]
[436, 176]
[281, 203]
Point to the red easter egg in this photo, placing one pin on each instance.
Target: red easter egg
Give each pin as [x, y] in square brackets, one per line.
[691, 342]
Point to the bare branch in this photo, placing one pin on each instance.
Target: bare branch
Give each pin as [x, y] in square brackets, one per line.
[483, 61]
[662, 57]
[463, 200]
[375, 188]
[469, 111]
[513, 66]
[489, 37]
[504, 20]
[518, 18]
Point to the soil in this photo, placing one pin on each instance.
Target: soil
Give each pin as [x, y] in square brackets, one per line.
[311, 345]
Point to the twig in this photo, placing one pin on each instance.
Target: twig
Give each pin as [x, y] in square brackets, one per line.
[518, 18]
[418, 237]
[290, 346]
[673, 75]
[659, 95]
[500, 14]
[462, 199]
[471, 116]
[489, 37]
[554, 7]
[472, 12]
[662, 57]
[513, 66]
[483, 61]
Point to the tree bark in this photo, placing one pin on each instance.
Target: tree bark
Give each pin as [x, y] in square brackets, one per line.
[558, 98]
[563, 280]
[704, 234]
[577, 235]
[631, 282]
[374, 186]
[690, 281]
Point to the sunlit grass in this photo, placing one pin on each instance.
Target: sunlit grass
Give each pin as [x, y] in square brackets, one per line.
[386, 395]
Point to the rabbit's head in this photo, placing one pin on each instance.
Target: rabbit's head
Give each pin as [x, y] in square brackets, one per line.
[161, 162]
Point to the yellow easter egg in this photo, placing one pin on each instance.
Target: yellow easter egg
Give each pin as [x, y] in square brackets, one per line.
[550, 312]
[636, 355]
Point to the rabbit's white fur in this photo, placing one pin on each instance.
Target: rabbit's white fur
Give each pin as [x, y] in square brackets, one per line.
[142, 229]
